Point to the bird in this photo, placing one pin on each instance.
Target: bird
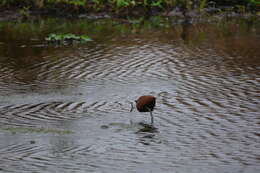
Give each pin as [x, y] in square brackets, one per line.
[145, 103]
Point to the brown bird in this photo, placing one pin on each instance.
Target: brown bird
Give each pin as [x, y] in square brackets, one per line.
[145, 104]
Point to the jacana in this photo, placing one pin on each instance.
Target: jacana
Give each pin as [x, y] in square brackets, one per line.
[145, 104]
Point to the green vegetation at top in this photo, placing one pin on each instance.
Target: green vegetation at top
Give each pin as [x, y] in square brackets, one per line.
[123, 6]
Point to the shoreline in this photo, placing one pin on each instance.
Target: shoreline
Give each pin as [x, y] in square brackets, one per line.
[18, 15]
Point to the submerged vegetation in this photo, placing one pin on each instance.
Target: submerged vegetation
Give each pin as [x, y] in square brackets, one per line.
[15, 130]
[123, 7]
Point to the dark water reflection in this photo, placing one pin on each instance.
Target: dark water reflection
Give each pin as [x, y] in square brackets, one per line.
[66, 109]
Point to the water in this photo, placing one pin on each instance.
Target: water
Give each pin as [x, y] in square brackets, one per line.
[66, 109]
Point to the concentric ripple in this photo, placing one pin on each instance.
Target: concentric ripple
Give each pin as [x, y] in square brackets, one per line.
[69, 110]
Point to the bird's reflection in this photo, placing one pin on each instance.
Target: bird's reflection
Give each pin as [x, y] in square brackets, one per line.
[147, 128]
[147, 134]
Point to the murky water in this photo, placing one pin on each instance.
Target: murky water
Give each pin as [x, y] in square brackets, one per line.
[66, 109]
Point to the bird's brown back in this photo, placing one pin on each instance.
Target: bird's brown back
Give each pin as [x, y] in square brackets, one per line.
[144, 103]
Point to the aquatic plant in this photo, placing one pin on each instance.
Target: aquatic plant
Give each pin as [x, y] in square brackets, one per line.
[67, 38]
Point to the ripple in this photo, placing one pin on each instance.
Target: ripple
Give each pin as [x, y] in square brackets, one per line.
[206, 117]
[39, 114]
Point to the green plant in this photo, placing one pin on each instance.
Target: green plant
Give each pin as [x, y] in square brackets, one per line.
[157, 4]
[67, 38]
[240, 8]
[25, 12]
[257, 2]
[7, 2]
[202, 4]
[98, 4]
[123, 3]
[124, 6]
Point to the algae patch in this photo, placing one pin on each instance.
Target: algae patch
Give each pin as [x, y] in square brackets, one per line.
[35, 130]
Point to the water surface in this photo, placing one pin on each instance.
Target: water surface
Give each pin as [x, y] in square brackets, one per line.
[66, 108]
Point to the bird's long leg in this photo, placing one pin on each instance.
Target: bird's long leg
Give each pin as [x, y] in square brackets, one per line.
[151, 114]
[132, 106]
